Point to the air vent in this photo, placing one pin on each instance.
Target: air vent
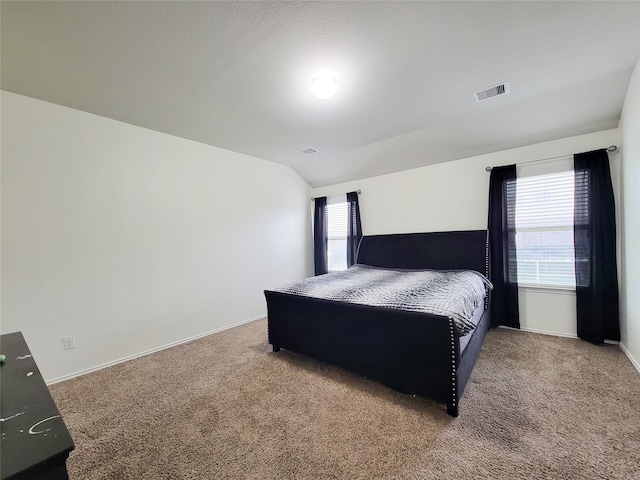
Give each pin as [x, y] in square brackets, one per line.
[307, 151]
[490, 92]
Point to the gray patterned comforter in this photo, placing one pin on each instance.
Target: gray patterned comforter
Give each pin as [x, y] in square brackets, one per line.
[455, 294]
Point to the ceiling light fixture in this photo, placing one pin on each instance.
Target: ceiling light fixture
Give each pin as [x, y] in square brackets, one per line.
[324, 83]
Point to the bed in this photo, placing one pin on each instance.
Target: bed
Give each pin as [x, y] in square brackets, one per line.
[413, 352]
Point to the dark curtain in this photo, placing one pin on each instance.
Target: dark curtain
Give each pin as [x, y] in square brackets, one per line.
[502, 247]
[594, 232]
[320, 225]
[355, 228]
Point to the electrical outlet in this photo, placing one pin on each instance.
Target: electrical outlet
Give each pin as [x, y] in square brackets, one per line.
[69, 342]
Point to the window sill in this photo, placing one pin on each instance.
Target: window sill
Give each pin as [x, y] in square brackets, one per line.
[552, 289]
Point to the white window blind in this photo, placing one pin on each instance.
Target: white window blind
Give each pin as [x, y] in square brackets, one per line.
[544, 227]
[337, 213]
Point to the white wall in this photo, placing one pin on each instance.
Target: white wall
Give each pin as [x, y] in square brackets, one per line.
[454, 196]
[131, 239]
[630, 224]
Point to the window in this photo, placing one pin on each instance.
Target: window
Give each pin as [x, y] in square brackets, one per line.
[337, 229]
[544, 225]
[336, 232]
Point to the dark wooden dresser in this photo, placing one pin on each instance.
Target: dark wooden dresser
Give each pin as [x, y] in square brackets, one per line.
[35, 442]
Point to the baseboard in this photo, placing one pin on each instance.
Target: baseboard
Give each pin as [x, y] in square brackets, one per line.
[147, 352]
[543, 332]
[554, 334]
[631, 359]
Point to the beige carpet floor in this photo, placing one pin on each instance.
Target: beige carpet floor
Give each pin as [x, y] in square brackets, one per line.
[226, 407]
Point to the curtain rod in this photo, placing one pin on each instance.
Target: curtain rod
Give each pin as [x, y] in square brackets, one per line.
[611, 148]
[337, 195]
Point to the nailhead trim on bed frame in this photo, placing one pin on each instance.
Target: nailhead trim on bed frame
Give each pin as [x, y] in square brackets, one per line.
[486, 269]
[454, 388]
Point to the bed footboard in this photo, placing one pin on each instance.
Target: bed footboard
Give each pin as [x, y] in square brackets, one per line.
[408, 351]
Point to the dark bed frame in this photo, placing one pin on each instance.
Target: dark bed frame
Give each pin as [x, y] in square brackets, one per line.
[411, 352]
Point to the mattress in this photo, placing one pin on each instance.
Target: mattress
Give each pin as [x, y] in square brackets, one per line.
[455, 294]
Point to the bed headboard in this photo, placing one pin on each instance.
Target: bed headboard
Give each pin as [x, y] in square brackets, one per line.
[438, 250]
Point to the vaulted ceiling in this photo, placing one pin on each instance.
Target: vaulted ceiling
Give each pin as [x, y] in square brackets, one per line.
[236, 74]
